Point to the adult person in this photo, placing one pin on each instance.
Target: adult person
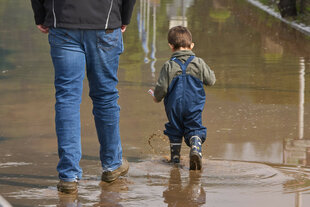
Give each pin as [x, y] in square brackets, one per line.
[85, 33]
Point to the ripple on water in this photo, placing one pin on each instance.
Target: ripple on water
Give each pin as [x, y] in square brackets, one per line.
[157, 182]
[13, 164]
[215, 172]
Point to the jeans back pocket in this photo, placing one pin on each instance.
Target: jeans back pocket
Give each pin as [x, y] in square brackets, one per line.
[107, 40]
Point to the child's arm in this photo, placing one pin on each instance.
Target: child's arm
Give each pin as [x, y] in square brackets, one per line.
[208, 74]
[161, 87]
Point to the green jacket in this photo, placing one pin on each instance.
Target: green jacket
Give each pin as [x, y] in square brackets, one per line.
[197, 68]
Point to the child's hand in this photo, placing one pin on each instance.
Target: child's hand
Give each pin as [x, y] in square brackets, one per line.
[151, 92]
[155, 100]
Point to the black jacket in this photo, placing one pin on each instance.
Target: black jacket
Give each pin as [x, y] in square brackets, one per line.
[83, 14]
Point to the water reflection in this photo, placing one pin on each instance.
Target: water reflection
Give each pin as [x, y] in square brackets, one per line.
[301, 97]
[260, 100]
[67, 200]
[299, 186]
[143, 18]
[153, 57]
[273, 51]
[176, 11]
[297, 151]
[179, 194]
[220, 12]
[111, 193]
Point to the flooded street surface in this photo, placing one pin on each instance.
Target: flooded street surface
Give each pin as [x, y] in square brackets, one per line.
[257, 113]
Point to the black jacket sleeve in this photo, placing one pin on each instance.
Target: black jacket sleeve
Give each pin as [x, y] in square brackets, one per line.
[127, 8]
[39, 11]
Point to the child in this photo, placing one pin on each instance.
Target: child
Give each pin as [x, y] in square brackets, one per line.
[181, 84]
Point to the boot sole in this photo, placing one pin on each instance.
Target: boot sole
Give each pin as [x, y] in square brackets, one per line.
[195, 162]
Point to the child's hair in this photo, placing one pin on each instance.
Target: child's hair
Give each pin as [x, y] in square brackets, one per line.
[179, 36]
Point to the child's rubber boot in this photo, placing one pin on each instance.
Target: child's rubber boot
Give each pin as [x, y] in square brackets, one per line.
[195, 155]
[175, 149]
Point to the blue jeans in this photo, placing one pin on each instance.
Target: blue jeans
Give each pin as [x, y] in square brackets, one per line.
[99, 51]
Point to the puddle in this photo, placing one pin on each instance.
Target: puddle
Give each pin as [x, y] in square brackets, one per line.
[257, 114]
[158, 182]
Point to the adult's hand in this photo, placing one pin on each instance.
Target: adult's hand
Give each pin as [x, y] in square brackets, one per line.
[123, 28]
[43, 28]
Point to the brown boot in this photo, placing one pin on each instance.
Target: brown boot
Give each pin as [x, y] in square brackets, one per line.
[110, 176]
[67, 187]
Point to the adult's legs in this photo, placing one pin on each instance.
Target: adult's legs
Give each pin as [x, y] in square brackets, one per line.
[69, 64]
[102, 60]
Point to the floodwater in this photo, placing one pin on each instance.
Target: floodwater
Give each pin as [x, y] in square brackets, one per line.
[257, 114]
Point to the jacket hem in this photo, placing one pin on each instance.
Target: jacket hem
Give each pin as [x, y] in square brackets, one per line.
[82, 26]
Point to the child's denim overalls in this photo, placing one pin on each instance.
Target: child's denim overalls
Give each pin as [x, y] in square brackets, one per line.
[184, 104]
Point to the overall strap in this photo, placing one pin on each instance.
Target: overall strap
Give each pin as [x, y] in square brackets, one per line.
[183, 66]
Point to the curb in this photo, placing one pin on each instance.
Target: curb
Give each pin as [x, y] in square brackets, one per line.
[298, 26]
